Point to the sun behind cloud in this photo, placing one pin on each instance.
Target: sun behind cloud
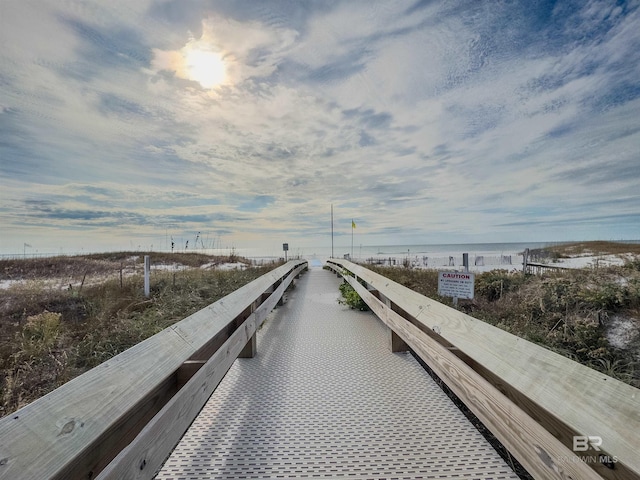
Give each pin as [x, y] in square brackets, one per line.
[196, 61]
[206, 68]
[225, 53]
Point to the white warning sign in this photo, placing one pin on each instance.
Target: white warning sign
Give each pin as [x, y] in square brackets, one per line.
[456, 284]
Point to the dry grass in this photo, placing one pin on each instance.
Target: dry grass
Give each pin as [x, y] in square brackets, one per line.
[595, 248]
[569, 312]
[101, 264]
[49, 334]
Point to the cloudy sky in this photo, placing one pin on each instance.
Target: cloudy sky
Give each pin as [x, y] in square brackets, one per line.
[124, 123]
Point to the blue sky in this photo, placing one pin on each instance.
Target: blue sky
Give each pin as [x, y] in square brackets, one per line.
[424, 121]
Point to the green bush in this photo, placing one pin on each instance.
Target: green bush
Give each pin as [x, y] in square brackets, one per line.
[351, 298]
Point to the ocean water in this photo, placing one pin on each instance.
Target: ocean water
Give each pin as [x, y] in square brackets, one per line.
[397, 251]
[325, 251]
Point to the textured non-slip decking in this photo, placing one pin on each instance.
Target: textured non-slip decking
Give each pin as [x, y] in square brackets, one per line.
[325, 397]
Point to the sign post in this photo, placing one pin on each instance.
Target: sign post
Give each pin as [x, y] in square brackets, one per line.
[456, 285]
[147, 269]
[285, 247]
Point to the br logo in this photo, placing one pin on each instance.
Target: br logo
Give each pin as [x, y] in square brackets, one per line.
[583, 443]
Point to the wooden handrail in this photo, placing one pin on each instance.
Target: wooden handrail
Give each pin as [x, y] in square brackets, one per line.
[122, 418]
[534, 401]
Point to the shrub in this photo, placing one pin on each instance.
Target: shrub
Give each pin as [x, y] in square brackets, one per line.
[496, 283]
[633, 264]
[604, 295]
[40, 333]
[50, 334]
[351, 298]
[565, 311]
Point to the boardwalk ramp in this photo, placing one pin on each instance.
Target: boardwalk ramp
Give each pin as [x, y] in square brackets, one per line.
[326, 398]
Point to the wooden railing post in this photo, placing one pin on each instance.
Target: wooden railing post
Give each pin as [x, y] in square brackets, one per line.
[396, 343]
[251, 348]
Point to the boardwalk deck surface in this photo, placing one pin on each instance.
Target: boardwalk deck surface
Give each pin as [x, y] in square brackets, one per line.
[326, 398]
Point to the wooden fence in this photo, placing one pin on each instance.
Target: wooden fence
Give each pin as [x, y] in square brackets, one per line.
[424, 261]
[540, 268]
[560, 419]
[124, 417]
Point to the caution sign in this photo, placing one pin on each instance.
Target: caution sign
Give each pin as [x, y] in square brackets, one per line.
[456, 284]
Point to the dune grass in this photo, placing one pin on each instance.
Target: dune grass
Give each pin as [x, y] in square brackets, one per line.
[51, 333]
[595, 248]
[573, 312]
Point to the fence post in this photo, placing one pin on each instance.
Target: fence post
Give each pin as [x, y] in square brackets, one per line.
[147, 267]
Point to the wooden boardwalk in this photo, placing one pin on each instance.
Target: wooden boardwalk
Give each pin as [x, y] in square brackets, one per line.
[326, 398]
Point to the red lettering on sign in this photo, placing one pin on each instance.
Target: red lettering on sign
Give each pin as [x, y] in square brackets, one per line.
[456, 275]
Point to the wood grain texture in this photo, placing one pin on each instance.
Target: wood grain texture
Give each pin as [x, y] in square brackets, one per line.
[564, 396]
[145, 455]
[74, 431]
[539, 452]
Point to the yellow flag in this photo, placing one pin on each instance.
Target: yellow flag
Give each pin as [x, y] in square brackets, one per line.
[353, 224]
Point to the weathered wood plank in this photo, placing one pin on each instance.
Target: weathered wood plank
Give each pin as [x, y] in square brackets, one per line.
[187, 370]
[534, 446]
[566, 397]
[74, 431]
[47, 437]
[142, 458]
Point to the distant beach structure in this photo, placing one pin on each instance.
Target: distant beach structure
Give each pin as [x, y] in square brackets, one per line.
[482, 256]
[449, 261]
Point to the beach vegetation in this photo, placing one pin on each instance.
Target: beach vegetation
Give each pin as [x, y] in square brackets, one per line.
[61, 316]
[351, 298]
[571, 312]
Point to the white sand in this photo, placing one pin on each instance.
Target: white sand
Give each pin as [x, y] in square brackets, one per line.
[488, 261]
[173, 267]
[590, 261]
[232, 266]
[5, 284]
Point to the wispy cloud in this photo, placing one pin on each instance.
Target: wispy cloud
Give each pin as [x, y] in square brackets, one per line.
[428, 121]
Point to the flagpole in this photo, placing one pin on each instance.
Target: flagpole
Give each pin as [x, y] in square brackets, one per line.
[332, 230]
[352, 224]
